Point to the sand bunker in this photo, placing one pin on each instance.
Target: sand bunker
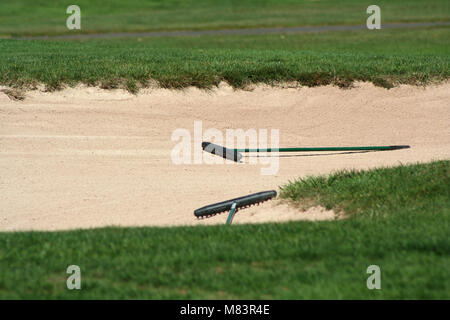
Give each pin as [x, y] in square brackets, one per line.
[86, 157]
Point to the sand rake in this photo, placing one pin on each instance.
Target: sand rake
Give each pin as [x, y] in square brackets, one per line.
[233, 205]
[235, 154]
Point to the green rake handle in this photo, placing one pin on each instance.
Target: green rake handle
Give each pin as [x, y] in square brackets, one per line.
[234, 154]
[232, 213]
[323, 149]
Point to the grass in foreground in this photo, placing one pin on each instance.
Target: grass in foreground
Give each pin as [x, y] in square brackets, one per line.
[402, 225]
[37, 17]
[383, 57]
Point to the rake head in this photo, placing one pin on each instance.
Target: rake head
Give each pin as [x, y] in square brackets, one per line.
[241, 202]
[230, 154]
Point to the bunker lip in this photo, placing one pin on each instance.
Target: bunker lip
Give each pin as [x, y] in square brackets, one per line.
[85, 157]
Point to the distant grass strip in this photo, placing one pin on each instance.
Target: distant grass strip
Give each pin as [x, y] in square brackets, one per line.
[407, 238]
[26, 17]
[339, 58]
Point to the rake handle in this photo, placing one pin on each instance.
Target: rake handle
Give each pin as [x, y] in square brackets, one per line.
[324, 149]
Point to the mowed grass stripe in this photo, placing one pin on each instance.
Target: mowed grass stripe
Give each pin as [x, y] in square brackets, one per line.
[384, 58]
[24, 17]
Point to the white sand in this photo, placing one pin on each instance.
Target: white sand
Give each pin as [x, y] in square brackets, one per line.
[86, 157]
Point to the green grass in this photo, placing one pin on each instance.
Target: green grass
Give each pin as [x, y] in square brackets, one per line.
[425, 41]
[402, 225]
[36, 17]
[404, 190]
[382, 57]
